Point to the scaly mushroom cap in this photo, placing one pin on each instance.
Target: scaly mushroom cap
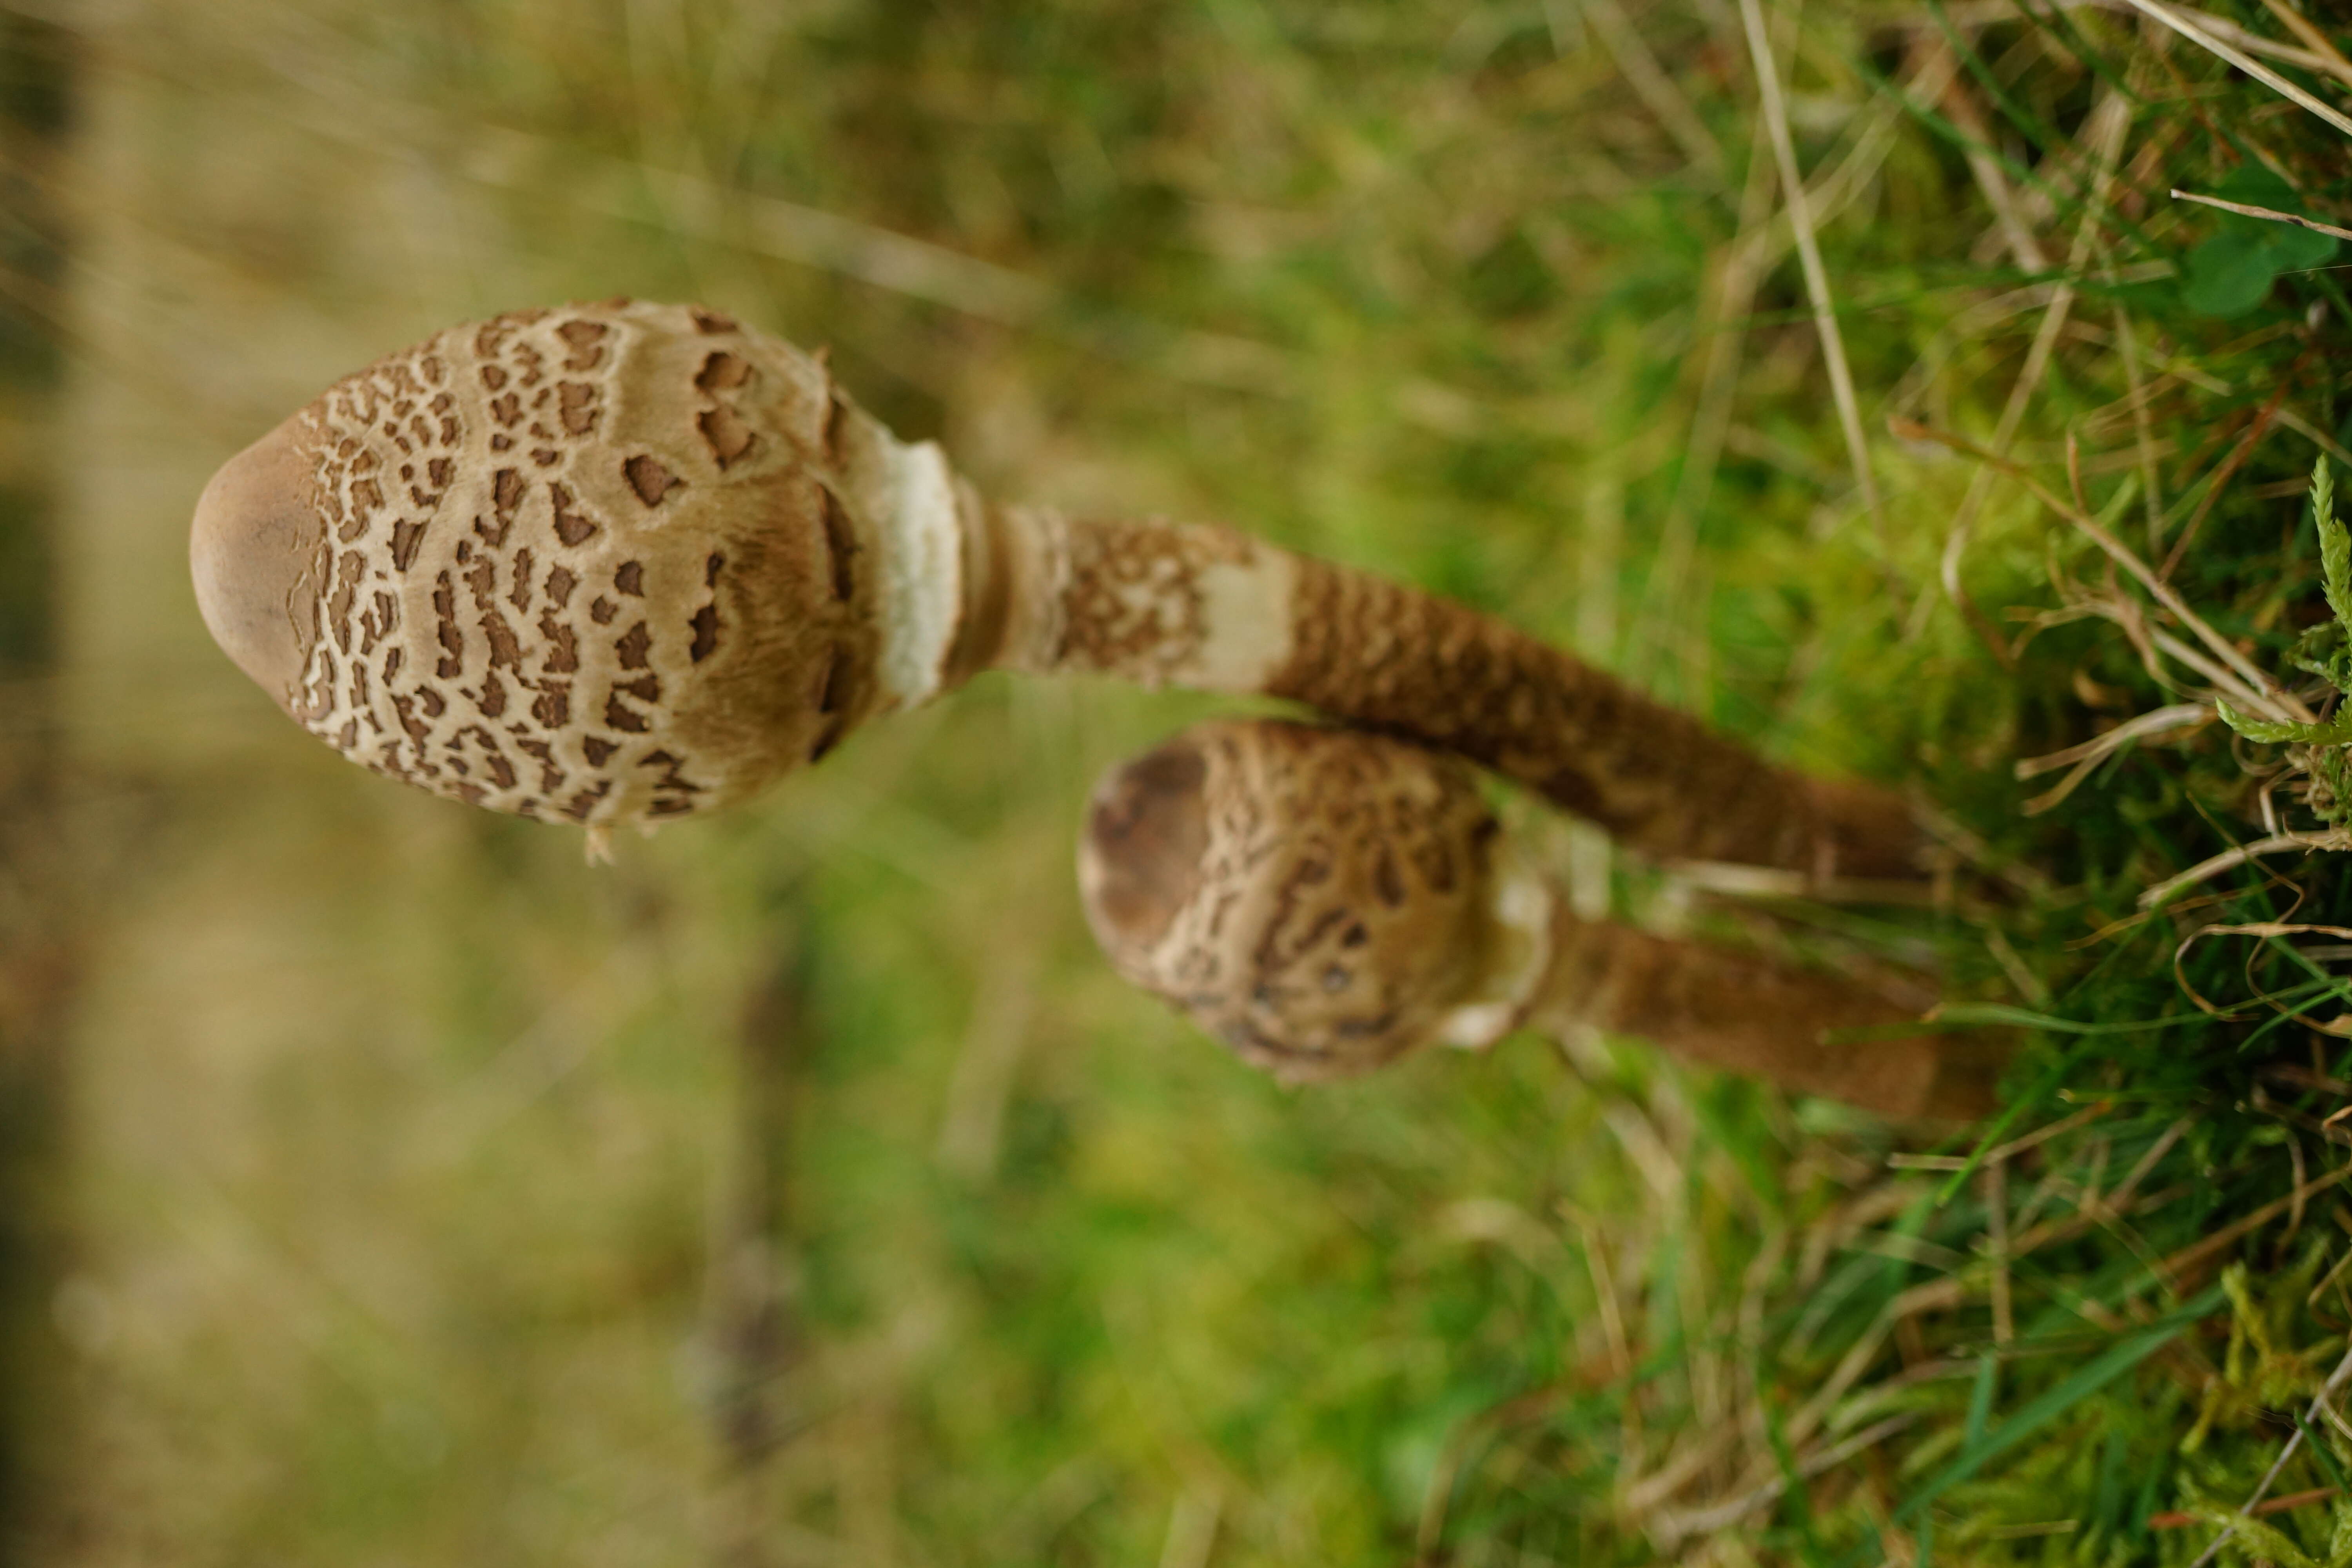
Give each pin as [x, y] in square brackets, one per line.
[1322, 900]
[605, 563]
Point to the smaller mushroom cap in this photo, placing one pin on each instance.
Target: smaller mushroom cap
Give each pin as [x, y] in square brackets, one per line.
[1322, 900]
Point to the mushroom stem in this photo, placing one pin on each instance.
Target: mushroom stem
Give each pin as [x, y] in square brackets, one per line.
[1720, 1007]
[1210, 608]
[618, 562]
[1325, 900]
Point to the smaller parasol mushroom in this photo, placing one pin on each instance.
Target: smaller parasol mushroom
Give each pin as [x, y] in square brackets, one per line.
[1325, 900]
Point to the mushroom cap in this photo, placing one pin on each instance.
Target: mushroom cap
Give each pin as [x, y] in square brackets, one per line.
[1322, 900]
[599, 564]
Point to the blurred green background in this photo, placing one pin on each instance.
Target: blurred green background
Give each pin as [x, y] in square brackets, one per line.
[390, 1186]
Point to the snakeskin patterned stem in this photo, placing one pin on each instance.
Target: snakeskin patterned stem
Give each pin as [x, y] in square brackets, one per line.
[1169, 604]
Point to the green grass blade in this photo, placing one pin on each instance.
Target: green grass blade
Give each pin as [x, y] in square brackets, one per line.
[1981, 1400]
[2049, 1405]
[2321, 1454]
[2335, 541]
[1953, 1018]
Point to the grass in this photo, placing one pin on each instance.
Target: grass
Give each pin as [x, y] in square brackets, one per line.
[403, 1139]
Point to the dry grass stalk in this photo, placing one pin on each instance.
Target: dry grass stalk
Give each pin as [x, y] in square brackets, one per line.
[2271, 213]
[2329, 57]
[2208, 40]
[2339, 1027]
[2108, 123]
[1817, 280]
[2005, 1151]
[980, 1087]
[2294, 1214]
[1737, 278]
[2302, 425]
[699, 208]
[2143, 424]
[2023, 244]
[2259, 427]
[1762, 240]
[1595, 1252]
[2327, 1131]
[2320, 56]
[1641, 1501]
[2314, 59]
[1969, 328]
[1932, 1296]
[2247, 681]
[2082, 759]
[1677, 1526]
[2180, 1263]
[1651, 83]
[2230, 859]
[1933, 67]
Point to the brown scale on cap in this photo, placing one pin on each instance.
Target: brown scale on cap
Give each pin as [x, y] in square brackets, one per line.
[1325, 900]
[613, 563]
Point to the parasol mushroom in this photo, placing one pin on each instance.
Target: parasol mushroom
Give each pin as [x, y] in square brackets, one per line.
[1325, 900]
[614, 563]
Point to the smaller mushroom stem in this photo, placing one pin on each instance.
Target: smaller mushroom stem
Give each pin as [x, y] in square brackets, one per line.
[1326, 900]
[1720, 1008]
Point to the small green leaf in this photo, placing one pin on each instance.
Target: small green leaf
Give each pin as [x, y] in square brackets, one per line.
[2293, 249]
[2260, 730]
[2257, 184]
[2228, 274]
[2231, 273]
[2337, 731]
